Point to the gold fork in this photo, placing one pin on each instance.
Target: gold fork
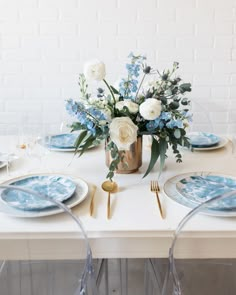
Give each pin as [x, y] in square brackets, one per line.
[155, 189]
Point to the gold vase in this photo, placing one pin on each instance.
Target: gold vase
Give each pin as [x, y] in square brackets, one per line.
[131, 159]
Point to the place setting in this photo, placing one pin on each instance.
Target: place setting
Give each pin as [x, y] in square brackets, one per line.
[70, 190]
[193, 188]
[206, 141]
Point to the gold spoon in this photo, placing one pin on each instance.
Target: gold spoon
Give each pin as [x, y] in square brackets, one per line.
[109, 187]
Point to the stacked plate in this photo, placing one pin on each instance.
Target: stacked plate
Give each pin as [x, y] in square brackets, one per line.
[192, 189]
[206, 141]
[57, 187]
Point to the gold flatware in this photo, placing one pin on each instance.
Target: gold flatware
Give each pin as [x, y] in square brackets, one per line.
[155, 189]
[109, 187]
[92, 200]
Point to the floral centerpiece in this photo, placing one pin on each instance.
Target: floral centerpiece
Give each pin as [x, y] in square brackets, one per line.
[133, 108]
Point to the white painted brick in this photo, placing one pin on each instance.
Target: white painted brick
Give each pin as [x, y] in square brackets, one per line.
[98, 5]
[10, 67]
[225, 14]
[215, 3]
[78, 15]
[155, 15]
[79, 41]
[98, 29]
[200, 92]
[70, 92]
[39, 42]
[196, 67]
[220, 92]
[215, 80]
[223, 42]
[15, 28]
[176, 29]
[219, 28]
[57, 28]
[166, 4]
[11, 93]
[155, 42]
[137, 29]
[116, 15]
[10, 42]
[224, 67]
[194, 42]
[41, 67]
[42, 93]
[213, 54]
[21, 55]
[22, 106]
[131, 4]
[72, 67]
[38, 14]
[100, 53]
[18, 81]
[2, 105]
[233, 92]
[234, 54]
[61, 54]
[57, 3]
[175, 54]
[9, 117]
[18, 4]
[62, 80]
[219, 117]
[8, 14]
[233, 79]
[114, 42]
[195, 15]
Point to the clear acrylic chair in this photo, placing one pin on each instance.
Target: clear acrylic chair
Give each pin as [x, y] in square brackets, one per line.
[205, 276]
[37, 277]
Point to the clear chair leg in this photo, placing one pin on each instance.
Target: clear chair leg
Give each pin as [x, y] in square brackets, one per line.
[123, 266]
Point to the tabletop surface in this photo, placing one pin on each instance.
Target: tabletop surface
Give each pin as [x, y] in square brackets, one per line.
[135, 221]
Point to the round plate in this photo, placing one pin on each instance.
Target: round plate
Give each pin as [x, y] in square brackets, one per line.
[203, 139]
[62, 142]
[172, 189]
[80, 194]
[223, 142]
[58, 187]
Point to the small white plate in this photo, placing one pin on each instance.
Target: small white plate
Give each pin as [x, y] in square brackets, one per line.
[79, 195]
[221, 144]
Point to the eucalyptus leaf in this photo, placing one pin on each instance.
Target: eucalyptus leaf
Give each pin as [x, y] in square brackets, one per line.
[80, 138]
[155, 153]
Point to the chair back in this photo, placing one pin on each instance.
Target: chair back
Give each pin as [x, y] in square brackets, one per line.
[84, 284]
[187, 277]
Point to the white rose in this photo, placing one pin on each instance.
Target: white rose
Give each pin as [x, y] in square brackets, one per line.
[95, 70]
[132, 106]
[150, 109]
[123, 132]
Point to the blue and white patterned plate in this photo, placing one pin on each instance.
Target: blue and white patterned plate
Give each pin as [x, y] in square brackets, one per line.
[203, 139]
[80, 194]
[191, 189]
[63, 141]
[57, 187]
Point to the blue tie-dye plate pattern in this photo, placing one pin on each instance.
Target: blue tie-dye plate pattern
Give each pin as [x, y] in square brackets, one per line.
[55, 186]
[63, 141]
[203, 139]
[192, 189]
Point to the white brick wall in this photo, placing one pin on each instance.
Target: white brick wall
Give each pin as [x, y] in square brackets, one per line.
[44, 43]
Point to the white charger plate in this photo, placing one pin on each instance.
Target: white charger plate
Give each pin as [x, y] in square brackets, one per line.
[79, 195]
[170, 189]
[223, 142]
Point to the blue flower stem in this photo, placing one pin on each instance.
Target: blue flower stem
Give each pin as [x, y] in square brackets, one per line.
[139, 87]
[112, 94]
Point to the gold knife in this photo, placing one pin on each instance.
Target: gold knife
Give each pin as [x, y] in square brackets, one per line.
[92, 200]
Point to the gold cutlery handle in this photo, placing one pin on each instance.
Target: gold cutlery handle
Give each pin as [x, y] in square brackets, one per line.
[91, 208]
[109, 206]
[159, 205]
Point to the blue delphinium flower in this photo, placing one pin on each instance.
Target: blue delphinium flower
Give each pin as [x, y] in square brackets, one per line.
[165, 116]
[127, 87]
[174, 124]
[133, 69]
[154, 124]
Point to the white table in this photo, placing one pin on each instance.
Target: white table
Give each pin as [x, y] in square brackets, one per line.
[136, 229]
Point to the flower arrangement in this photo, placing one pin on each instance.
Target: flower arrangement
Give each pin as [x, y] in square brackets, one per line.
[120, 114]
